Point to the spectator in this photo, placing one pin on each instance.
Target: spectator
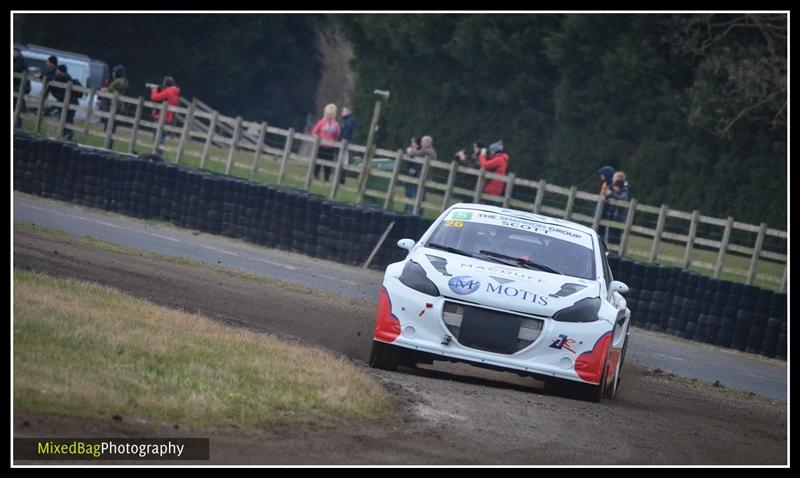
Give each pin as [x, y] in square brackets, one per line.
[328, 130]
[496, 162]
[606, 178]
[50, 69]
[20, 66]
[619, 190]
[59, 92]
[469, 161]
[118, 83]
[424, 149]
[348, 126]
[170, 93]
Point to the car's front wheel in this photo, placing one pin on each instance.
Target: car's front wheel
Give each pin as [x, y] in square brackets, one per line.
[612, 390]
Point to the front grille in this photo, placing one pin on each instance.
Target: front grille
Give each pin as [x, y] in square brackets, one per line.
[490, 330]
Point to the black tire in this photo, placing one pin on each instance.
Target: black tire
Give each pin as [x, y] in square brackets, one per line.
[384, 356]
[594, 393]
[611, 392]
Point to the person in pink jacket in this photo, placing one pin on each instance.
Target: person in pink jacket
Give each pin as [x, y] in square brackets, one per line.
[328, 130]
[496, 162]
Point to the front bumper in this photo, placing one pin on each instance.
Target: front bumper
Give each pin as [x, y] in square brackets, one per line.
[571, 351]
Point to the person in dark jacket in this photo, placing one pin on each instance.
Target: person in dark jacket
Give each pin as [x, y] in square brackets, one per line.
[50, 69]
[606, 178]
[60, 92]
[118, 83]
[621, 191]
[346, 133]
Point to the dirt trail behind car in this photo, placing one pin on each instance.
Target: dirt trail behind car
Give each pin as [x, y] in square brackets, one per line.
[445, 413]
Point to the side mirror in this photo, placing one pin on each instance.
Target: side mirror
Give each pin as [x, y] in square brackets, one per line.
[406, 244]
[617, 286]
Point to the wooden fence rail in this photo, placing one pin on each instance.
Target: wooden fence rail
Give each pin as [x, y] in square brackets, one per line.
[220, 140]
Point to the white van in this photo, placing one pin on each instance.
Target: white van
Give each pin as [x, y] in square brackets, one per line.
[90, 72]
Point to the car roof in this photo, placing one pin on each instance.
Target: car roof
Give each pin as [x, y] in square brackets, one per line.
[525, 215]
[43, 50]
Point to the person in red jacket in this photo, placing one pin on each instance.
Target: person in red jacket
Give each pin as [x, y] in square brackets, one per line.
[328, 130]
[171, 94]
[496, 162]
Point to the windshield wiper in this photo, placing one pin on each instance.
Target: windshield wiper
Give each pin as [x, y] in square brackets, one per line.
[452, 250]
[521, 261]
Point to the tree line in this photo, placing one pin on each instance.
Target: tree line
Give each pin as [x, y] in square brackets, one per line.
[691, 107]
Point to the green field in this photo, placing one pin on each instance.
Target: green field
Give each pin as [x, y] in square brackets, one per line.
[85, 350]
[769, 273]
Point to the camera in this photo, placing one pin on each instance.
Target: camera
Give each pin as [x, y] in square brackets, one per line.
[150, 85]
[381, 94]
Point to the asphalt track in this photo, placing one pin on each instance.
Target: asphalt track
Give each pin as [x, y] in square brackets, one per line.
[684, 358]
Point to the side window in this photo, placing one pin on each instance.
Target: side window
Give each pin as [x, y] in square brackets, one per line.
[604, 259]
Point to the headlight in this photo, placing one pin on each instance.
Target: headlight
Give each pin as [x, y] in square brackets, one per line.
[414, 276]
[585, 310]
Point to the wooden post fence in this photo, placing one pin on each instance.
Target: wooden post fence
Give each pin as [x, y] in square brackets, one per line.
[187, 121]
[64, 111]
[262, 134]
[20, 97]
[112, 116]
[509, 189]
[212, 128]
[687, 255]
[570, 202]
[751, 273]
[626, 233]
[45, 91]
[312, 162]
[726, 237]
[89, 112]
[162, 118]
[337, 172]
[389, 201]
[662, 219]
[365, 170]
[476, 198]
[537, 205]
[137, 117]
[237, 130]
[287, 150]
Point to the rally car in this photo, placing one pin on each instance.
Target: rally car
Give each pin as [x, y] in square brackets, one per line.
[507, 290]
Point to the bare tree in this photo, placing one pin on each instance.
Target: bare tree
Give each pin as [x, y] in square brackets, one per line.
[742, 69]
[337, 80]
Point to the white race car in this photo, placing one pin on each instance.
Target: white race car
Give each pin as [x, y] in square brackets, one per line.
[506, 290]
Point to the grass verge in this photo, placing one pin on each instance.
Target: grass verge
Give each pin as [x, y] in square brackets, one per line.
[86, 350]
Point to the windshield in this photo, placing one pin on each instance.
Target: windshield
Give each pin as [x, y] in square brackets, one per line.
[563, 250]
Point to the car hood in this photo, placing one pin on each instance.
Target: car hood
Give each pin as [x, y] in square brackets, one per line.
[497, 285]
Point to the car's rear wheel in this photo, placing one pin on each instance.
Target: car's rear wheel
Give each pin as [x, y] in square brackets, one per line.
[385, 356]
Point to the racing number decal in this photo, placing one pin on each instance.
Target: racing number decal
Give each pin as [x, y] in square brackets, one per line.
[451, 223]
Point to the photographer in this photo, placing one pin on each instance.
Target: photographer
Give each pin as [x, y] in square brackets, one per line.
[166, 92]
[621, 191]
[467, 181]
[62, 76]
[496, 162]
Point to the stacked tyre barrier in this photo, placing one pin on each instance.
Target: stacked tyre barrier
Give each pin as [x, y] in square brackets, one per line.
[696, 307]
[147, 187]
[665, 299]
